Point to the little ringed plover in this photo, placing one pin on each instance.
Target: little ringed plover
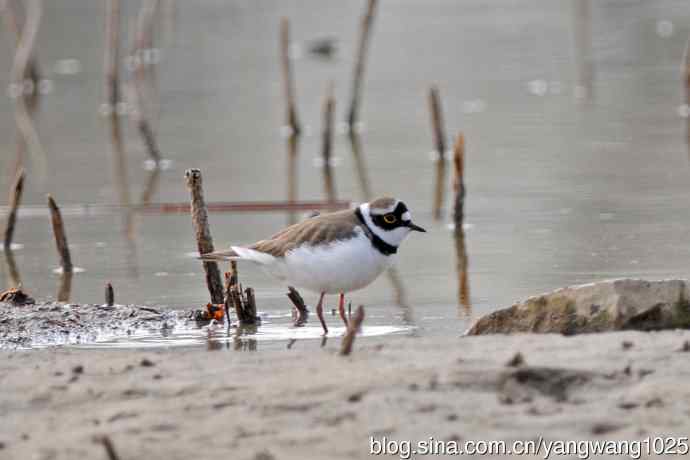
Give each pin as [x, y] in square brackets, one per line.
[332, 253]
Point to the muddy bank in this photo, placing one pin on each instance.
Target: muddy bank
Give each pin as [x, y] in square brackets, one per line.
[46, 324]
[190, 403]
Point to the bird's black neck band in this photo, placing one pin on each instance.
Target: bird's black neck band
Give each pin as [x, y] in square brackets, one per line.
[376, 241]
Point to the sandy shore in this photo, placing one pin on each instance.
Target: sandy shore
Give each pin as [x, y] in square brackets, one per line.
[312, 403]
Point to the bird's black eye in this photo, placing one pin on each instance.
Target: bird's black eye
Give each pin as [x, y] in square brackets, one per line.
[389, 218]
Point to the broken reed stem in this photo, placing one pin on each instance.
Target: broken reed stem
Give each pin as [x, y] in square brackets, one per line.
[288, 78]
[137, 91]
[20, 66]
[15, 199]
[15, 279]
[358, 73]
[109, 295]
[231, 283]
[300, 306]
[60, 236]
[352, 329]
[108, 446]
[461, 266]
[203, 234]
[459, 180]
[440, 147]
[112, 54]
[327, 144]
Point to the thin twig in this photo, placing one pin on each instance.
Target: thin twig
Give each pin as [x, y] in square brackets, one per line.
[440, 147]
[458, 217]
[60, 236]
[459, 180]
[358, 73]
[203, 233]
[327, 144]
[15, 199]
[231, 285]
[291, 119]
[352, 329]
[112, 54]
[15, 279]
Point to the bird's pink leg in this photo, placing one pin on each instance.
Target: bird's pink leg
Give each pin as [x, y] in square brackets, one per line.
[319, 312]
[341, 308]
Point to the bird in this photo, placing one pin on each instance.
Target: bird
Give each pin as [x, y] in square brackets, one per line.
[331, 253]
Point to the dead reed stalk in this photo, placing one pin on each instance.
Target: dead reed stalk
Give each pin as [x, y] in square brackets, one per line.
[203, 233]
[15, 279]
[231, 284]
[440, 147]
[60, 236]
[327, 144]
[459, 180]
[112, 54]
[358, 74]
[291, 119]
[15, 199]
[109, 295]
[458, 217]
[8, 10]
[352, 328]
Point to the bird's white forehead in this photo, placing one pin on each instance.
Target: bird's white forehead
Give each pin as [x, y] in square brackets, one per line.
[380, 211]
[407, 216]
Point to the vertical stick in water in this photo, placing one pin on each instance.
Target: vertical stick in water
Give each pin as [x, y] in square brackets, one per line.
[327, 144]
[440, 147]
[109, 295]
[15, 199]
[203, 234]
[352, 329]
[459, 180]
[60, 236]
[291, 119]
[112, 53]
[358, 73]
[458, 216]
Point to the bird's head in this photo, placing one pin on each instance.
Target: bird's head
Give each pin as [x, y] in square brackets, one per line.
[389, 219]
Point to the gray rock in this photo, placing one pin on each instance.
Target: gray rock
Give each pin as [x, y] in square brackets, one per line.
[603, 306]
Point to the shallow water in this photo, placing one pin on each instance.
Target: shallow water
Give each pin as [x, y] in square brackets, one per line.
[577, 162]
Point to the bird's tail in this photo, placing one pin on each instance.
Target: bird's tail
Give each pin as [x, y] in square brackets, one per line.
[219, 256]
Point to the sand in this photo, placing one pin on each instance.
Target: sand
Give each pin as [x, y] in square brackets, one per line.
[310, 403]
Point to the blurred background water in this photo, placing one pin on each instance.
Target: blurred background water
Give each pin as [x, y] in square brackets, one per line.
[574, 115]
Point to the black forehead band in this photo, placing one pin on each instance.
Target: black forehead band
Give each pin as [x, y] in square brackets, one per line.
[400, 209]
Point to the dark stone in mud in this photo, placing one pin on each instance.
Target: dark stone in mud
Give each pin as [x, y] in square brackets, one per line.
[605, 306]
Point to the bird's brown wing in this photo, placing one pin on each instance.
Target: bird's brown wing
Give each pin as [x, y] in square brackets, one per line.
[317, 230]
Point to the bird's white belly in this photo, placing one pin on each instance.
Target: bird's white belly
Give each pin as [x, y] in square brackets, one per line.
[343, 266]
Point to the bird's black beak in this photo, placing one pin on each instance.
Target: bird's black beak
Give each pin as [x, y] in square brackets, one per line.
[415, 228]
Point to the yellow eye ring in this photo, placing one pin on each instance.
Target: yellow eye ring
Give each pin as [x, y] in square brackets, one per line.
[389, 219]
